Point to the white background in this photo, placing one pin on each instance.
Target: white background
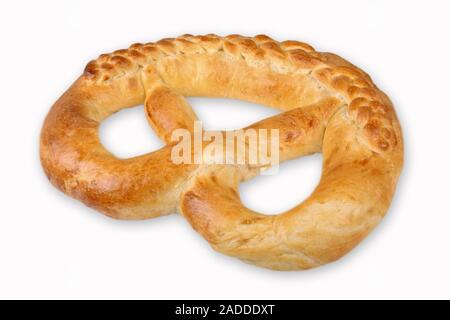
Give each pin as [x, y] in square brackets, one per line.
[54, 247]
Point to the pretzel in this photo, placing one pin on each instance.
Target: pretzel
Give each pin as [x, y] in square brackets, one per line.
[328, 105]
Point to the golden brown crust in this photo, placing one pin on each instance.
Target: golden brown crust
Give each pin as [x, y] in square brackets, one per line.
[367, 105]
[331, 106]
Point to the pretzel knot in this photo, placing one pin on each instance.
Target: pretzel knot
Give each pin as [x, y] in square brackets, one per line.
[328, 105]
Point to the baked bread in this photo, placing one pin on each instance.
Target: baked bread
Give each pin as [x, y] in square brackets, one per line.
[329, 105]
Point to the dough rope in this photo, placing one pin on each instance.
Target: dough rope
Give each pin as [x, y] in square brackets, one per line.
[329, 105]
[367, 105]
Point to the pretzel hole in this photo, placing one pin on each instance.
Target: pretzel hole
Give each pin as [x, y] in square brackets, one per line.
[126, 134]
[269, 194]
[228, 114]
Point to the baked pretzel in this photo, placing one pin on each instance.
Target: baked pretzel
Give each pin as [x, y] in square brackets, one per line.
[329, 105]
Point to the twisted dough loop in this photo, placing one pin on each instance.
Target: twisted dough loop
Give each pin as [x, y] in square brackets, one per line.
[369, 107]
[330, 106]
